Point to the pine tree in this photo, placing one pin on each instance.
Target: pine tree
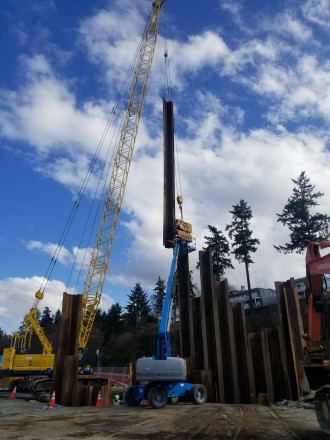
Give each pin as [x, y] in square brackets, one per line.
[220, 252]
[4, 340]
[46, 320]
[138, 307]
[158, 297]
[303, 225]
[243, 243]
[57, 316]
[113, 323]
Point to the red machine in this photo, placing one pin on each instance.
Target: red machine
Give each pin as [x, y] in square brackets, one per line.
[316, 268]
[317, 306]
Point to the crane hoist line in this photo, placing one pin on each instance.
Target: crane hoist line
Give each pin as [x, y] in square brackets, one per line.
[105, 236]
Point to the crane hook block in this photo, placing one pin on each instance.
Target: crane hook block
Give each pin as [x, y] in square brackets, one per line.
[39, 295]
[179, 199]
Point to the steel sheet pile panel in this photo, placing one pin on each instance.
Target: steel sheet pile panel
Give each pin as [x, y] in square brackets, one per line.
[212, 352]
[169, 175]
[228, 344]
[185, 306]
[256, 348]
[244, 360]
[292, 327]
[278, 363]
[197, 333]
[66, 359]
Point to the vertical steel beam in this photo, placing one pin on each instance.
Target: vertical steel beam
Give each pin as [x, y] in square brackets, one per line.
[244, 359]
[169, 175]
[228, 344]
[185, 306]
[210, 326]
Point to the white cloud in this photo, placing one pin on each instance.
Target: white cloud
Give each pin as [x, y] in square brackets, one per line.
[23, 290]
[44, 113]
[317, 11]
[80, 257]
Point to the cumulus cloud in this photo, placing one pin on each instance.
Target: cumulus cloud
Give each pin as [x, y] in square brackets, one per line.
[23, 290]
[317, 11]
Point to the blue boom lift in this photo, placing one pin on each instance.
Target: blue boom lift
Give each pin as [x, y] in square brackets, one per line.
[163, 375]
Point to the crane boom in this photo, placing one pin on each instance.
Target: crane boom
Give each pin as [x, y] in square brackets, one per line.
[100, 259]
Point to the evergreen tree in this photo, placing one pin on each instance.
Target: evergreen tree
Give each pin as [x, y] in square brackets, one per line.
[57, 316]
[113, 321]
[220, 252]
[158, 297]
[46, 320]
[99, 319]
[4, 340]
[303, 225]
[241, 235]
[138, 307]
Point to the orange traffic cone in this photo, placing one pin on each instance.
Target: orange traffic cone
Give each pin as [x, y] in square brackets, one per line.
[52, 400]
[13, 394]
[99, 403]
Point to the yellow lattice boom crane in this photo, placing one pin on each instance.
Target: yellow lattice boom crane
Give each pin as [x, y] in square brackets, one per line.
[105, 236]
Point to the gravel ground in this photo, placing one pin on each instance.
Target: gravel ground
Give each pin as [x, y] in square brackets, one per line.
[31, 420]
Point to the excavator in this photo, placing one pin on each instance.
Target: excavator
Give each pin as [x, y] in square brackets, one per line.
[19, 364]
[318, 306]
[163, 376]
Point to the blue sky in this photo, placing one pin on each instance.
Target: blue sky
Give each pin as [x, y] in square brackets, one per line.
[251, 90]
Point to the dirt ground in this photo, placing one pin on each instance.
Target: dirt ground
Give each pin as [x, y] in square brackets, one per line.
[31, 420]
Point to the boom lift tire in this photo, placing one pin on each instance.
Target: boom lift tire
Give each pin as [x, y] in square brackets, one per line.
[322, 408]
[198, 394]
[129, 397]
[157, 397]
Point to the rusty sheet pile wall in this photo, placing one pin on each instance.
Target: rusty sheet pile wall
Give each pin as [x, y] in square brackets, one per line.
[264, 366]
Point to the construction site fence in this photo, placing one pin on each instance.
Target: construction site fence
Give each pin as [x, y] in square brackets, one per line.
[122, 371]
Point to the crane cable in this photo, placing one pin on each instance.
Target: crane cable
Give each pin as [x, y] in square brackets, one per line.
[168, 95]
[123, 97]
[116, 110]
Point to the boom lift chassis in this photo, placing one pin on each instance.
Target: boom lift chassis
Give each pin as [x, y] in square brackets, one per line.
[165, 375]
